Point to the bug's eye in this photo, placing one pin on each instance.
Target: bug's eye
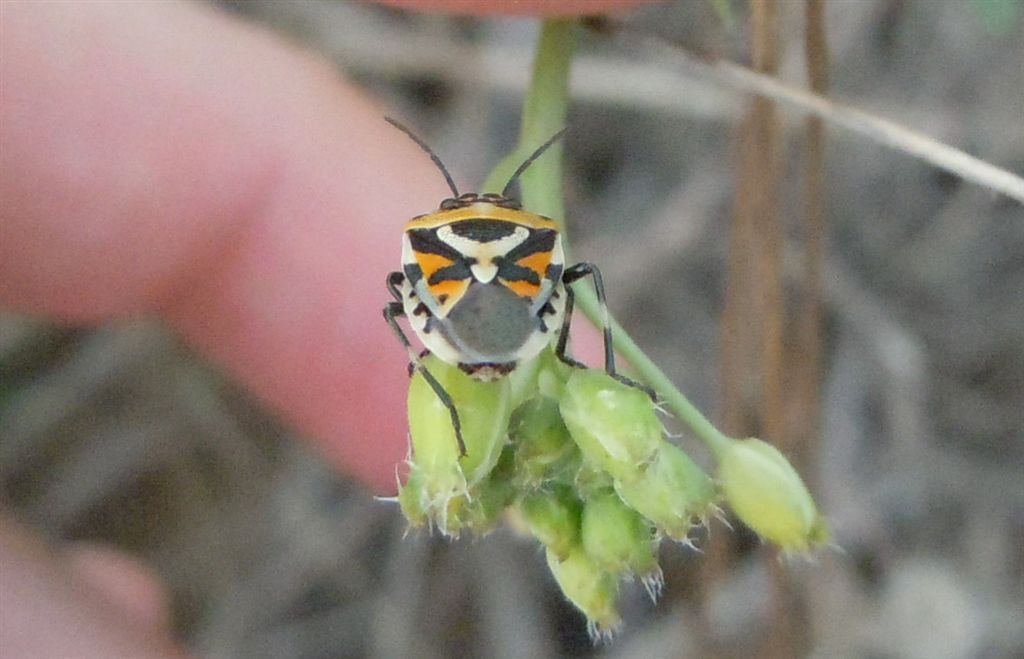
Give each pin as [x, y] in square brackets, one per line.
[449, 204]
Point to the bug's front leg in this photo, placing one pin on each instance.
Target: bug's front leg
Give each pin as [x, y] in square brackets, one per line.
[394, 284]
[573, 274]
[393, 311]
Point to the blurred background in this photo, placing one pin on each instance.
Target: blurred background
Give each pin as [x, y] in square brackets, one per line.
[896, 382]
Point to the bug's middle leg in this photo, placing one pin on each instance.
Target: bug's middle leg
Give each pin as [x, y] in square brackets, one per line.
[563, 334]
[573, 274]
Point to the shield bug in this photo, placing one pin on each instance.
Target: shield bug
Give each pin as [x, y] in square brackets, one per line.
[484, 284]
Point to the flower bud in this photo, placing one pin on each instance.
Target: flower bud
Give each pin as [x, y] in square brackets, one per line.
[543, 447]
[483, 410]
[438, 499]
[489, 498]
[594, 591]
[523, 382]
[553, 517]
[412, 499]
[767, 494]
[451, 511]
[616, 537]
[589, 480]
[615, 425]
[442, 486]
[671, 492]
[552, 374]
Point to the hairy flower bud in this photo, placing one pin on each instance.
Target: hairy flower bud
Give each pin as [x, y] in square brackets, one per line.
[671, 492]
[523, 382]
[489, 498]
[594, 591]
[552, 374]
[412, 499]
[767, 494]
[443, 479]
[454, 507]
[435, 499]
[553, 518]
[483, 410]
[617, 537]
[589, 480]
[543, 447]
[615, 425]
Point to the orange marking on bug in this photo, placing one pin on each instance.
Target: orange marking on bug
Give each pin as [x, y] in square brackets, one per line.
[522, 288]
[454, 289]
[431, 263]
[538, 262]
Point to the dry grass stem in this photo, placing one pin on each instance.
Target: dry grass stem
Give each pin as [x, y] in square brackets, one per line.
[878, 129]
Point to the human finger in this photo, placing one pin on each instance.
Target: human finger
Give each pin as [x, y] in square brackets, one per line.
[161, 157]
[518, 7]
[123, 581]
[50, 611]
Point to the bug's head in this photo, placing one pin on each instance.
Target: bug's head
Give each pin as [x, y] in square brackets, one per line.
[470, 198]
[457, 200]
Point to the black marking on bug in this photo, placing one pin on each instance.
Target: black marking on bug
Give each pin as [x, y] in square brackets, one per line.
[497, 368]
[539, 240]
[514, 272]
[454, 272]
[483, 230]
[413, 272]
[427, 242]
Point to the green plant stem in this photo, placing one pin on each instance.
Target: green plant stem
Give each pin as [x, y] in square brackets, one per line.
[648, 372]
[544, 113]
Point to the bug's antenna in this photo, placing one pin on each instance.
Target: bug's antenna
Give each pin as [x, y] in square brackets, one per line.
[529, 161]
[433, 156]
